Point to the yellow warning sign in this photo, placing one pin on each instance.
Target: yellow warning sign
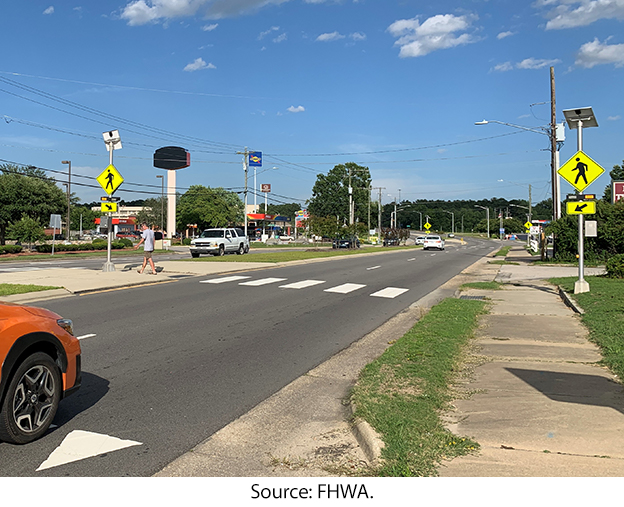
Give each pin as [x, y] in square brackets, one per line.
[109, 207]
[110, 179]
[427, 226]
[581, 207]
[528, 225]
[580, 171]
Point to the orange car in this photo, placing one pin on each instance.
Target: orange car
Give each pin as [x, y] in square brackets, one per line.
[40, 360]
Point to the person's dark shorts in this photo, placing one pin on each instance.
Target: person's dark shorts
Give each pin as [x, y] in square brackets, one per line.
[147, 254]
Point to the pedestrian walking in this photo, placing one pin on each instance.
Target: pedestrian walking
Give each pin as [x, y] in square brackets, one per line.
[147, 237]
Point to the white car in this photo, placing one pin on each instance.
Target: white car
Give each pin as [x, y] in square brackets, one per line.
[420, 240]
[433, 242]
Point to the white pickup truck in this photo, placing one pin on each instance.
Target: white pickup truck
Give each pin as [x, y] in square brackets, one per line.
[220, 242]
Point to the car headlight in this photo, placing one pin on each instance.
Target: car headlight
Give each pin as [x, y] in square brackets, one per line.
[67, 325]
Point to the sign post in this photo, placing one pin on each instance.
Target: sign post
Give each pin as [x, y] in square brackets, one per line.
[109, 180]
[55, 223]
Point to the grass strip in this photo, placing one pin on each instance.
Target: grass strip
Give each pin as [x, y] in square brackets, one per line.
[9, 289]
[403, 393]
[296, 255]
[482, 286]
[604, 316]
[503, 252]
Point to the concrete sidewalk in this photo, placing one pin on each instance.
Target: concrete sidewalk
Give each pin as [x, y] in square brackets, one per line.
[540, 405]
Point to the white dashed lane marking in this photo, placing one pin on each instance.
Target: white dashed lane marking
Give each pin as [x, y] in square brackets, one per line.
[373, 267]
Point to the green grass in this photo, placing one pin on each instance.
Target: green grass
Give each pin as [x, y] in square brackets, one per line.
[502, 252]
[9, 289]
[293, 255]
[604, 316]
[403, 392]
[482, 286]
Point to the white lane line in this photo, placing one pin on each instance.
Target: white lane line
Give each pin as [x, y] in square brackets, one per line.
[389, 292]
[80, 445]
[301, 285]
[412, 259]
[90, 335]
[262, 281]
[225, 279]
[345, 288]
[373, 267]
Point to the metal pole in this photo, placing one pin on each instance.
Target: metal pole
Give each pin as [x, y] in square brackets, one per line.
[108, 265]
[487, 211]
[581, 284]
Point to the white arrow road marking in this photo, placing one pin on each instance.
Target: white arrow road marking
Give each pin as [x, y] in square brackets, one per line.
[345, 288]
[389, 292]
[90, 335]
[80, 445]
[301, 285]
[263, 281]
[225, 279]
[373, 267]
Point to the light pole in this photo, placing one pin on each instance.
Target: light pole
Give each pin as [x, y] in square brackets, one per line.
[488, 217]
[453, 220]
[68, 195]
[162, 201]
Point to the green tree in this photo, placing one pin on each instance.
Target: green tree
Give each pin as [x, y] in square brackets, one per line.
[26, 230]
[330, 193]
[27, 191]
[87, 214]
[617, 174]
[209, 207]
[153, 212]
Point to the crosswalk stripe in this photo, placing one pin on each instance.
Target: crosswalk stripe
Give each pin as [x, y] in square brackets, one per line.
[302, 285]
[389, 292]
[345, 288]
[262, 281]
[225, 279]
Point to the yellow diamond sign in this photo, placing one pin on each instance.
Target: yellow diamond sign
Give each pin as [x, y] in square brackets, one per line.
[581, 207]
[110, 179]
[528, 225]
[427, 226]
[580, 171]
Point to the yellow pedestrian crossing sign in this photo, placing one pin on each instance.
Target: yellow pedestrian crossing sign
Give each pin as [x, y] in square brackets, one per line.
[427, 226]
[110, 179]
[580, 171]
[528, 225]
[581, 207]
[109, 207]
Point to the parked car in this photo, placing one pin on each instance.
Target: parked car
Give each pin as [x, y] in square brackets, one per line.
[348, 242]
[40, 359]
[433, 242]
[451, 235]
[420, 240]
[286, 238]
[220, 242]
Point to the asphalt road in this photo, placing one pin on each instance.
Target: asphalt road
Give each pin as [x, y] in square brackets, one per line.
[167, 365]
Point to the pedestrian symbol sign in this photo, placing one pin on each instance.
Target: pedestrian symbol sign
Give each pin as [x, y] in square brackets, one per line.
[580, 171]
[427, 226]
[110, 179]
[109, 207]
[528, 225]
[581, 207]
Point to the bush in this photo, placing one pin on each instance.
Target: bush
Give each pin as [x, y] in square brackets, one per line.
[615, 266]
[10, 249]
[186, 241]
[125, 241]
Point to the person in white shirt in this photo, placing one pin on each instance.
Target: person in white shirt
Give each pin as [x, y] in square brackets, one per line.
[148, 237]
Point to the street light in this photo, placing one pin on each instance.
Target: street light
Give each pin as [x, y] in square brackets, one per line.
[488, 217]
[162, 201]
[453, 222]
[68, 194]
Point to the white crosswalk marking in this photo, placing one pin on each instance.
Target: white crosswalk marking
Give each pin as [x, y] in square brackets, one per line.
[302, 285]
[345, 288]
[389, 292]
[372, 267]
[225, 279]
[262, 281]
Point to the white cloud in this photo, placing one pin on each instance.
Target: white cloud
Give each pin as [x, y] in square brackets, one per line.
[141, 12]
[573, 13]
[614, 118]
[280, 38]
[596, 53]
[298, 109]
[198, 64]
[49, 10]
[358, 36]
[209, 28]
[329, 37]
[536, 63]
[503, 35]
[503, 67]
[267, 32]
[438, 32]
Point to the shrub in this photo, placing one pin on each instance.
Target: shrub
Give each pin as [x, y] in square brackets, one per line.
[10, 249]
[186, 241]
[615, 266]
[125, 241]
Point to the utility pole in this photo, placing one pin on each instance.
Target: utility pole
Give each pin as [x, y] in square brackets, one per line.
[350, 200]
[68, 195]
[553, 148]
[246, 169]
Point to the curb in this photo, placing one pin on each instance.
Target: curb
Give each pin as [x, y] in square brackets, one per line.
[370, 441]
[569, 301]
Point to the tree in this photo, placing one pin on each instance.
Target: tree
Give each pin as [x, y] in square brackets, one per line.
[286, 210]
[27, 191]
[153, 212]
[26, 230]
[88, 217]
[617, 174]
[330, 193]
[209, 207]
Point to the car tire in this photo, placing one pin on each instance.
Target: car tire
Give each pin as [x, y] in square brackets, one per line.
[31, 400]
[194, 255]
[221, 250]
[241, 249]
[246, 249]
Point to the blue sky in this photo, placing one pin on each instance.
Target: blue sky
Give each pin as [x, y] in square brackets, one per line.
[393, 85]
